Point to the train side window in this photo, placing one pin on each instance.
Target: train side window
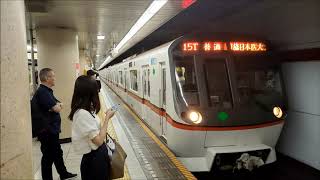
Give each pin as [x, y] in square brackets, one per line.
[217, 82]
[134, 80]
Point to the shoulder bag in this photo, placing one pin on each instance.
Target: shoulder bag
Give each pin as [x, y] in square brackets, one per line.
[117, 160]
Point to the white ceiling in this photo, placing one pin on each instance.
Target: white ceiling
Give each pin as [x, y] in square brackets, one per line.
[288, 24]
[112, 18]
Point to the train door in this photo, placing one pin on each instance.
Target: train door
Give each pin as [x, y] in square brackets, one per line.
[145, 78]
[125, 80]
[126, 85]
[163, 121]
[144, 82]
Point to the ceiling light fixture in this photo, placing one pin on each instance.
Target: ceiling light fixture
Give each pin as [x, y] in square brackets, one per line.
[100, 37]
[154, 7]
[29, 48]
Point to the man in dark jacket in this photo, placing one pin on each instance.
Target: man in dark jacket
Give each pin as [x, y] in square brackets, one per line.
[49, 135]
[94, 76]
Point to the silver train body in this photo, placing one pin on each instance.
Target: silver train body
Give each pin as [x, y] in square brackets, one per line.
[206, 105]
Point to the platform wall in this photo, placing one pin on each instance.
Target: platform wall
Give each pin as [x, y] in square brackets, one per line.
[300, 138]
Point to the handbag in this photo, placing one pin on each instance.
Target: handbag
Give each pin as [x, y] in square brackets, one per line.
[117, 160]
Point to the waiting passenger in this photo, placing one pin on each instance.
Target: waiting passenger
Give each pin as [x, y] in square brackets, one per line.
[91, 74]
[94, 76]
[87, 134]
[49, 135]
[98, 82]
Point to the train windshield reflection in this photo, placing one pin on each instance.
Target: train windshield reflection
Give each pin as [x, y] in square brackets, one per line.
[257, 82]
[186, 80]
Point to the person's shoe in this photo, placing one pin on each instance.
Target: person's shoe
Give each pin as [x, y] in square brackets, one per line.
[67, 176]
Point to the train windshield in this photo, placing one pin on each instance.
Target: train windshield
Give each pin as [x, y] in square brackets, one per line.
[257, 82]
[217, 83]
[226, 75]
[186, 80]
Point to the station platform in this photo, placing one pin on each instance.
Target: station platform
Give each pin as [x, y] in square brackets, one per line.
[147, 156]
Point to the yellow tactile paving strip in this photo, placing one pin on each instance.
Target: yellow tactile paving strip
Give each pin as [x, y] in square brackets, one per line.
[165, 149]
[112, 133]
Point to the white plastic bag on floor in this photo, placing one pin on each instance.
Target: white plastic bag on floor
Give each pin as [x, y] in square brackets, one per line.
[248, 162]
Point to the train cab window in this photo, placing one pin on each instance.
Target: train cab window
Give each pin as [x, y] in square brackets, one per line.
[186, 80]
[257, 82]
[217, 82]
[134, 80]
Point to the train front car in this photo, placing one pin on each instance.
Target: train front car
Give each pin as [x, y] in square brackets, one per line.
[228, 100]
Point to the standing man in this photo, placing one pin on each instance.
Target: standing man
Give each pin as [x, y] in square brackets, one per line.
[94, 76]
[49, 136]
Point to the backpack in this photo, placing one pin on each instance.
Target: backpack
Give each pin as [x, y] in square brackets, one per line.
[39, 119]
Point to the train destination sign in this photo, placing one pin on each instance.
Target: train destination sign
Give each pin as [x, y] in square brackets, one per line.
[211, 46]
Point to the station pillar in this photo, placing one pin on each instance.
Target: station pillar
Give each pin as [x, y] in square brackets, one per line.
[16, 139]
[84, 62]
[58, 50]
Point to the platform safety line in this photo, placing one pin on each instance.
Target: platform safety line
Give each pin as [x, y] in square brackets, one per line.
[112, 133]
[165, 149]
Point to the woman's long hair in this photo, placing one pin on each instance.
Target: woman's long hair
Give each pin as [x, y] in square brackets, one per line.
[85, 96]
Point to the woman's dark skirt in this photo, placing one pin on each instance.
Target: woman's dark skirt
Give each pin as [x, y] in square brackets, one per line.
[96, 164]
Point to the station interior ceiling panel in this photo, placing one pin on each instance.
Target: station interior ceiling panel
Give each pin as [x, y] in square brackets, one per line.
[287, 24]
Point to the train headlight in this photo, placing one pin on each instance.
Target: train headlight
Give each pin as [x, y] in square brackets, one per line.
[195, 117]
[277, 111]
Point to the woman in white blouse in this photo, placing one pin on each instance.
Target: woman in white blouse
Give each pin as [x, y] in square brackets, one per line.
[87, 136]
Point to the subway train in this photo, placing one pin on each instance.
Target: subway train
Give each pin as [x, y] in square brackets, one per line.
[209, 98]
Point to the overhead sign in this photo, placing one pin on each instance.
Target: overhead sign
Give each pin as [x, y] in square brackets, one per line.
[211, 46]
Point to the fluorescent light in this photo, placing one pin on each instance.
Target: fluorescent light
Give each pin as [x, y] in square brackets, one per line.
[29, 48]
[35, 55]
[97, 55]
[108, 59]
[100, 37]
[154, 7]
